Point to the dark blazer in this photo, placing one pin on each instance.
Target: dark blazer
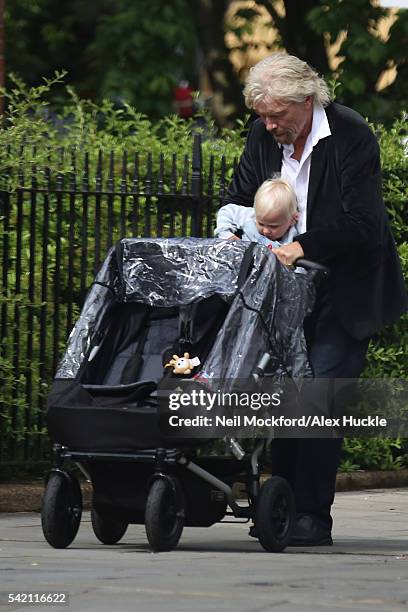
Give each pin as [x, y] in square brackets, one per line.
[347, 225]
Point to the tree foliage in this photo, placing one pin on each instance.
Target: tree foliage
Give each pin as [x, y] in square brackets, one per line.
[366, 54]
[140, 50]
[312, 29]
[110, 48]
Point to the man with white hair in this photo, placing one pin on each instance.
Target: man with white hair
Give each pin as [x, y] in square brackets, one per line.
[329, 155]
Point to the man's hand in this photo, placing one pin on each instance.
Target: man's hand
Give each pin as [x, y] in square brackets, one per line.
[289, 253]
[234, 237]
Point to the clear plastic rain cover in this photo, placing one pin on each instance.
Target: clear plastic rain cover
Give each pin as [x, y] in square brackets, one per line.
[268, 302]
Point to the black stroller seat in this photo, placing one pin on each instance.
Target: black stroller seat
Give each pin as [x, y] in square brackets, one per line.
[129, 358]
[126, 360]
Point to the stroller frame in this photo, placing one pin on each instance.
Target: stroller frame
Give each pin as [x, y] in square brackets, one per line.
[161, 458]
[277, 503]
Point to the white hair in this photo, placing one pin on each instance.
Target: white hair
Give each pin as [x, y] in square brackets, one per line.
[284, 77]
[275, 195]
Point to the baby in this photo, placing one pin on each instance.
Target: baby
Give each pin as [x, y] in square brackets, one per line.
[271, 221]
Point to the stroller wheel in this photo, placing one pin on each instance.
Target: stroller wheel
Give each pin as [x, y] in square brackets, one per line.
[275, 516]
[108, 530]
[165, 514]
[61, 509]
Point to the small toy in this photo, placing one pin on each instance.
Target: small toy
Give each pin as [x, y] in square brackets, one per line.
[183, 365]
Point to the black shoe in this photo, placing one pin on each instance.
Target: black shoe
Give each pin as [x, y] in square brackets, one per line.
[253, 532]
[310, 532]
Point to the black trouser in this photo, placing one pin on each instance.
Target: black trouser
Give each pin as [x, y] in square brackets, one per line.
[310, 464]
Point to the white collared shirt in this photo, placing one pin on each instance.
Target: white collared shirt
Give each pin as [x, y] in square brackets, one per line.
[297, 172]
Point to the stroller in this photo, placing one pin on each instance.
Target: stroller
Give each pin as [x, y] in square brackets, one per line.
[229, 303]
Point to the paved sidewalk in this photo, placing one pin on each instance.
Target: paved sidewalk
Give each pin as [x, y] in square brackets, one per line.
[220, 568]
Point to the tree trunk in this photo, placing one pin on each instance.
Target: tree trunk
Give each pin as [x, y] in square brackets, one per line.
[228, 101]
[298, 38]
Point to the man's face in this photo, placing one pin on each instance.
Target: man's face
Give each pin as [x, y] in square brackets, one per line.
[286, 121]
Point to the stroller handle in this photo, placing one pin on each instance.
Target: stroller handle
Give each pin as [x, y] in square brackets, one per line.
[312, 265]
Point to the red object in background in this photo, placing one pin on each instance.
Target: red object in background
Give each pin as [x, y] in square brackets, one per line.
[183, 100]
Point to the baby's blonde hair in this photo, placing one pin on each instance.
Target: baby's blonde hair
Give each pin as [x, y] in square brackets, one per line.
[275, 195]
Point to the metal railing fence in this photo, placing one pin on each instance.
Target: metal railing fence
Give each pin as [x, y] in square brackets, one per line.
[55, 233]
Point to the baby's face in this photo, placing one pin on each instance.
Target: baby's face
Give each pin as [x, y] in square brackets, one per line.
[274, 225]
